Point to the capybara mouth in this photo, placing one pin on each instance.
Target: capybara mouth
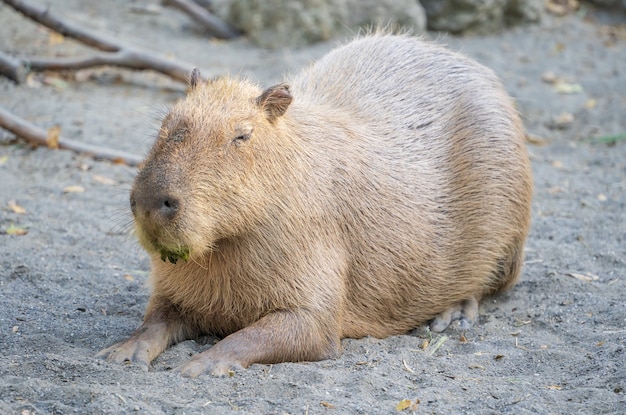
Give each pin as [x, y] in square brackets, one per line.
[154, 244]
[174, 256]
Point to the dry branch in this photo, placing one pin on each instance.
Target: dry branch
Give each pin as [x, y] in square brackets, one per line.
[39, 137]
[12, 68]
[209, 21]
[119, 54]
[43, 16]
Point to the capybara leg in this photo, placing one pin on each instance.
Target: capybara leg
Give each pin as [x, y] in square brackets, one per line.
[162, 326]
[284, 336]
[466, 312]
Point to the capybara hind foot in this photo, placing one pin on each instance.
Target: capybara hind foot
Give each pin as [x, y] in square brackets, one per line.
[466, 312]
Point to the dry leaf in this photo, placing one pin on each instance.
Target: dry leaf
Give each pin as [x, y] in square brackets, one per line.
[425, 344]
[327, 405]
[555, 387]
[600, 344]
[498, 357]
[55, 38]
[32, 81]
[52, 140]
[586, 278]
[129, 277]
[563, 87]
[558, 164]
[74, 189]
[562, 121]
[13, 230]
[103, 180]
[591, 104]
[55, 82]
[4, 159]
[476, 366]
[561, 7]
[536, 140]
[407, 404]
[15, 329]
[602, 197]
[15, 207]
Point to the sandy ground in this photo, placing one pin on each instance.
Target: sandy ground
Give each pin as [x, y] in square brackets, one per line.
[74, 283]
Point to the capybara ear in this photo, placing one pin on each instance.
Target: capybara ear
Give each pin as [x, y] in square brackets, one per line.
[275, 100]
[194, 78]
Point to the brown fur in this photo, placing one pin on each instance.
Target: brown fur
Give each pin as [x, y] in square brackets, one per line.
[387, 185]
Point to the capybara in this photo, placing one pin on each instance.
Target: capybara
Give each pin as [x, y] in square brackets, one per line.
[385, 186]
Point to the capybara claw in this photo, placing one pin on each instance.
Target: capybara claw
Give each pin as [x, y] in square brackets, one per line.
[125, 353]
[201, 365]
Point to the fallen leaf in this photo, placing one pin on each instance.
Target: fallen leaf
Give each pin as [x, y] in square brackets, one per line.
[129, 277]
[32, 81]
[58, 83]
[15, 329]
[563, 87]
[407, 404]
[561, 7]
[327, 405]
[600, 344]
[74, 189]
[55, 38]
[103, 180]
[536, 140]
[425, 344]
[562, 121]
[52, 139]
[558, 164]
[498, 357]
[14, 230]
[602, 197]
[476, 366]
[581, 277]
[15, 207]
[591, 104]
[4, 159]
[555, 387]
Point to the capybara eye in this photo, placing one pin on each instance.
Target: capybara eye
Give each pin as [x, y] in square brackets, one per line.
[177, 136]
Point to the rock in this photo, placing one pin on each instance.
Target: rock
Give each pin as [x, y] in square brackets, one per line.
[481, 16]
[281, 23]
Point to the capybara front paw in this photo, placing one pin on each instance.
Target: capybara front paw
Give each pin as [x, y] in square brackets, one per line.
[127, 352]
[201, 364]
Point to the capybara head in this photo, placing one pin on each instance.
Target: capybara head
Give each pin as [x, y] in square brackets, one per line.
[206, 177]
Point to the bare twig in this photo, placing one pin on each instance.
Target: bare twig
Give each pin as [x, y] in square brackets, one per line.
[121, 55]
[39, 136]
[209, 21]
[43, 16]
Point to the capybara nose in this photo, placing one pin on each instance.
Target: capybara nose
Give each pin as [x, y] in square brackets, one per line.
[168, 206]
[157, 205]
